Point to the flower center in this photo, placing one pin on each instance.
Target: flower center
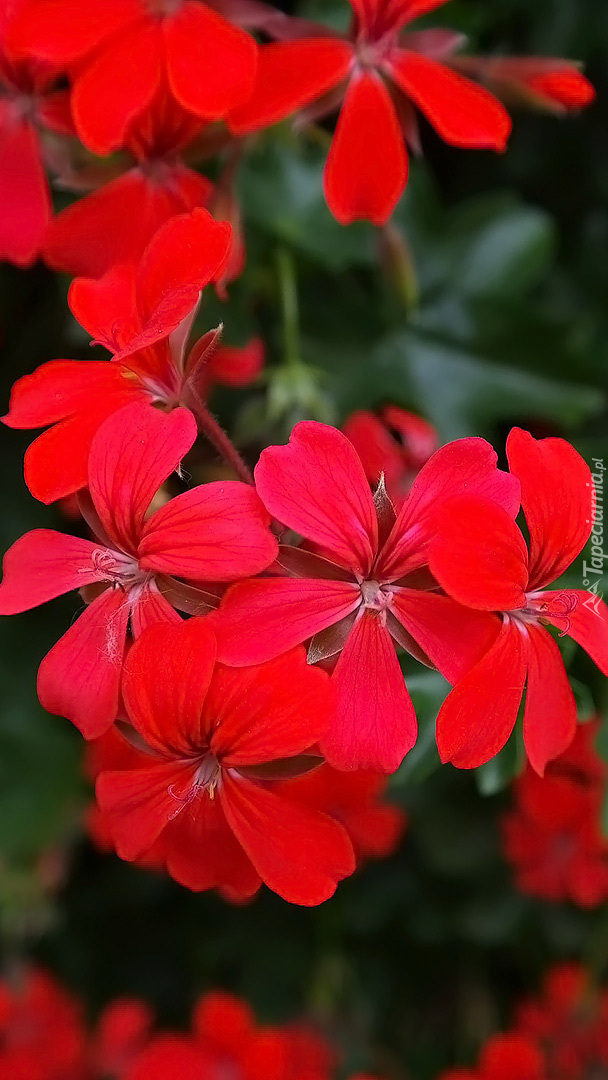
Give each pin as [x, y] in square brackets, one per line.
[206, 778]
[555, 608]
[208, 775]
[117, 567]
[375, 596]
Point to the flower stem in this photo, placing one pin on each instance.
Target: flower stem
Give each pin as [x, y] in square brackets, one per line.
[209, 427]
[289, 306]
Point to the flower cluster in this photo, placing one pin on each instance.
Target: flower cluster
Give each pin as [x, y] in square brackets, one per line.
[167, 71]
[238, 649]
[553, 837]
[560, 1035]
[238, 654]
[568, 1020]
[44, 1036]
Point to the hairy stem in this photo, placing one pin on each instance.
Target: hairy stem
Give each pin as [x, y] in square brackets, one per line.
[209, 427]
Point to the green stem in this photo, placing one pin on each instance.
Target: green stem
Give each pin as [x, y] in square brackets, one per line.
[288, 287]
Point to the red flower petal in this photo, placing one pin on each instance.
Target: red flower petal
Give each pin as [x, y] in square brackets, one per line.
[201, 852]
[65, 29]
[85, 392]
[124, 75]
[56, 463]
[479, 714]
[168, 1056]
[132, 454]
[355, 187]
[216, 532]
[223, 1021]
[463, 113]
[452, 636]
[106, 306]
[479, 555]
[61, 388]
[466, 466]
[379, 451]
[89, 237]
[375, 723]
[299, 853]
[236, 367]
[166, 679]
[259, 620]
[507, 1056]
[140, 802]
[24, 196]
[546, 81]
[587, 623]
[550, 711]
[210, 63]
[567, 87]
[316, 485]
[182, 257]
[291, 74]
[42, 565]
[557, 499]
[274, 710]
[80, 677]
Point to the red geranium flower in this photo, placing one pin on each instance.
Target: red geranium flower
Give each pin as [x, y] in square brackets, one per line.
[89, 238]
[379, 74]
[203, 788]
[227, 1042]
[42, 1033]
[569, 1020]
[144, 318]
[358, 588]
[553, 837]
[481, 559]
[215, 532]
[121, 50]
[122, 1032]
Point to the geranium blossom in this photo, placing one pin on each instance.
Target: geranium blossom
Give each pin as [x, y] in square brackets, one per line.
[481, 559]
[568, 1018]
[204, 788]
[125, 48]
[215, 532]
[89, 238]
[553, 837]
[353, 587]
[378, 74]
[144, 318]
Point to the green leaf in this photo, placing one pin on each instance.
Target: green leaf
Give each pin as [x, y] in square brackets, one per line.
[281, 188]
[464, 394]
[501, 249]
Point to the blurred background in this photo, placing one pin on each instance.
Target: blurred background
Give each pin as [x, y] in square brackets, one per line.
[491, 310]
